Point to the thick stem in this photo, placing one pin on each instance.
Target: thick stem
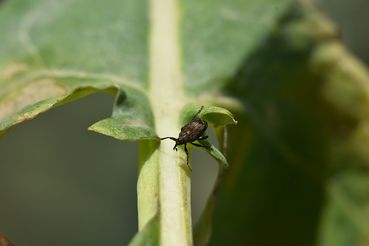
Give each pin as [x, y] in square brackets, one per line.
[167, 98]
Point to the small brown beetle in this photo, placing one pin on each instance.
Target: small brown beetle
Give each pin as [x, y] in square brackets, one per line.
[192, 131]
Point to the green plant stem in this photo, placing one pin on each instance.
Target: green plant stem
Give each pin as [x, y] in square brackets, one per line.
[167, 99]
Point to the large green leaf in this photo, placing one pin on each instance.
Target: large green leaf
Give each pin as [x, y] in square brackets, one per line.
[158, 57]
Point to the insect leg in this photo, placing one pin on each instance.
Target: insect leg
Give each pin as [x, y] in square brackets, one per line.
[172, 138]
[187, 155]
[199, 145]
[203, 137]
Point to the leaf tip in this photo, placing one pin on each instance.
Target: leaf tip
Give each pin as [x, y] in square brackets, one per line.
[92, 128]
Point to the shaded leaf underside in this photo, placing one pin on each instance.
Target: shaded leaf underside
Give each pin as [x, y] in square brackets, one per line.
[51, 51]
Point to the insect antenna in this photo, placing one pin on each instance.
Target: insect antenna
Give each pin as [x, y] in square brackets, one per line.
[198, 112]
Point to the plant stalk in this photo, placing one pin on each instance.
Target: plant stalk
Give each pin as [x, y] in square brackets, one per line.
[166, 93]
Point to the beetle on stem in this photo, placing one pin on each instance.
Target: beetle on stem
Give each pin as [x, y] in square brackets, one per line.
[192, 131]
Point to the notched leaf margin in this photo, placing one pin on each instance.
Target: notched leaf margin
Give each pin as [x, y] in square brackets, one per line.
[30, 111]
[131, 119]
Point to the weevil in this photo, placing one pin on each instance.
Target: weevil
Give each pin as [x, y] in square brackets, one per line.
[192, 131]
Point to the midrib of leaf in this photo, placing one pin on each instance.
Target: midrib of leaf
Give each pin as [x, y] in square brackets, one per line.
[167, 99]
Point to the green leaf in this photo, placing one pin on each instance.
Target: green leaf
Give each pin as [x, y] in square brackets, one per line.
[156, 61]
[215, 116]
[126, 123]
[85, 57]
[215, 153]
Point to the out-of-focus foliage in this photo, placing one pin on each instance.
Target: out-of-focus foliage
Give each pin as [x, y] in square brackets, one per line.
[4, 241]
[300, 156]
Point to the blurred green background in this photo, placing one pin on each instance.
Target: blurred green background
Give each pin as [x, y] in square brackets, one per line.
[63, 185]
